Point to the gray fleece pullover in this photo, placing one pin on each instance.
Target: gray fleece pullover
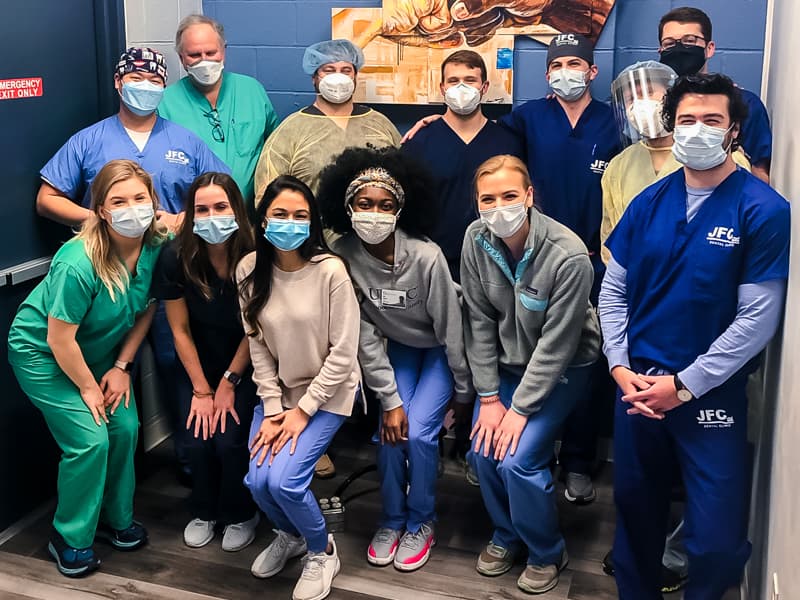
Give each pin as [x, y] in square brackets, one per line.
[535, 319]
[413, 302]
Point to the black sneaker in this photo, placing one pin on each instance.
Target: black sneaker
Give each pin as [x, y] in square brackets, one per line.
[130, 538]
[72, 562]
[672, 581]
[608, 564]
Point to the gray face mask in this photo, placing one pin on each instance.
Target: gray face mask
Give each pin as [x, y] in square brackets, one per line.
[568, 84]
[699, 146]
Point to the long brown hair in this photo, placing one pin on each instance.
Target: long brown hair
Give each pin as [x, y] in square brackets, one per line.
[193, 251]
[94, 232]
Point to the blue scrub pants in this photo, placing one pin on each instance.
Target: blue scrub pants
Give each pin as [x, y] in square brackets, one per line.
[281, 490]
[408, 470]
[518, 491]
[707, 439]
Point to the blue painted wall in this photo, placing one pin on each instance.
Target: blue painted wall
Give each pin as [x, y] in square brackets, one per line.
[266, 39]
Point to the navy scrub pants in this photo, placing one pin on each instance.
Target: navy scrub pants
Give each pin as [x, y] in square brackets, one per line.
[707, 439]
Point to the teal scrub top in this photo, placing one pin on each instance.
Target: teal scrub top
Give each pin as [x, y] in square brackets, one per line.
[246, 118]
[72, 292]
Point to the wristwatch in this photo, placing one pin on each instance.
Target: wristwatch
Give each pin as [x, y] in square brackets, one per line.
[125, 366]
[684, 395]
[234, 378]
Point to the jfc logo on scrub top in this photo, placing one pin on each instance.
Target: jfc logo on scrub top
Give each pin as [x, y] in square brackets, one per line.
[723, 236]
[598, 166]
[176, 157]
[711, 418]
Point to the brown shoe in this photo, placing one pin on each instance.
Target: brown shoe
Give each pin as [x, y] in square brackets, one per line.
[537, 579]
[494, 560]
[324, 468]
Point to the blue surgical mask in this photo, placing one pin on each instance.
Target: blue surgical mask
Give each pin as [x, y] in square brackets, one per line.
[568, 84]
[287, 234]
[215, 229]
[142, 97]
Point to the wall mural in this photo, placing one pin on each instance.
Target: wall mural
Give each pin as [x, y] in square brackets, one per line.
[405, 41]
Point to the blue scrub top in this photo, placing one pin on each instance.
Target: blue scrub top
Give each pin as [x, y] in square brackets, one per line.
[756, 135]
[173, 156]
[453, 164]
[683, 278]
[566, 164]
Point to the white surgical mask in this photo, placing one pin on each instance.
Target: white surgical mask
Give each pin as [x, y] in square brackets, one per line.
[462, 99]
[505, 221]
[141, 97]
[132, 221]
[568, 84]
[337, 88]
[373, 227]
[700, 146]
[644, 115]
[206, 72]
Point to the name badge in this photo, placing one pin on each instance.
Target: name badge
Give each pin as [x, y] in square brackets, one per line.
[393, 299]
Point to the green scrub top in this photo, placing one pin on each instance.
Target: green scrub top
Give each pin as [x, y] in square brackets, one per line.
[246, 118]
[72, 292]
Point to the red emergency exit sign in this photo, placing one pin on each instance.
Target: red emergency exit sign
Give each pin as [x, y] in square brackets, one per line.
[26, 87]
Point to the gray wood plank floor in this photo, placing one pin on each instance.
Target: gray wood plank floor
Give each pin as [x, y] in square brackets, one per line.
[166, 568]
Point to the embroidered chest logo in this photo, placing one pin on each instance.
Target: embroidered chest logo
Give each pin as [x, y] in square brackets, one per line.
[598, 166]
[714, 418]
[176, 157]
[723, 236]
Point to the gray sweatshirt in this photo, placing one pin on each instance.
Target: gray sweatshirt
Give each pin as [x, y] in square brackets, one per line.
[413, 302]
[535, 321]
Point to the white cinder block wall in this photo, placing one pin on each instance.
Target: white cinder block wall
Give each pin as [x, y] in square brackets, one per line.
[152, 23]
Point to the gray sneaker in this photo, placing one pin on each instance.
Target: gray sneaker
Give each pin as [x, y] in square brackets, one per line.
[494, 560]
[580, 489]
[537, 579]
[198, 533]
[239, 535]
[383, 546]
[274, 557]
[415, 548]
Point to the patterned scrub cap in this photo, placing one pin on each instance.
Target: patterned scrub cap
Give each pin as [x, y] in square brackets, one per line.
[145, 60]
[375, 177]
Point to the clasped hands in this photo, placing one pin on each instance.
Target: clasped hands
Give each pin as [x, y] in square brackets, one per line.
[649, 395]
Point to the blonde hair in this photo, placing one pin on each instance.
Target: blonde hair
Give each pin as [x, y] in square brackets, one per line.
[94, 232]
[498, 163]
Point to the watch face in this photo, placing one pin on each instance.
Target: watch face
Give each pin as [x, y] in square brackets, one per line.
[684, 395]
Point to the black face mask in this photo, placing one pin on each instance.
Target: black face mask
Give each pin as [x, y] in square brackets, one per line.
[684, 60]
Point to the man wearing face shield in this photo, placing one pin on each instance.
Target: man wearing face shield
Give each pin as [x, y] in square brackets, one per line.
[686, 45]
[693, 292]
[172, 155]
[308, 140]
[457, 144]
[230, 112]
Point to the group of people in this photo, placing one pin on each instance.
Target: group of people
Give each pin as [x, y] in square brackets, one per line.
[286, 273]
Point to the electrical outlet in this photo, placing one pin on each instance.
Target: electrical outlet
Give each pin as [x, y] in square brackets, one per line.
[776, 590]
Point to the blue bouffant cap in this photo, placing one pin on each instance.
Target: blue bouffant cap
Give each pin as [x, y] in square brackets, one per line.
[331, 51]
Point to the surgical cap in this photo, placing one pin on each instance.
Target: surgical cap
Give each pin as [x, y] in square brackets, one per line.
[375, 177]
[145, 60]
[331, 51]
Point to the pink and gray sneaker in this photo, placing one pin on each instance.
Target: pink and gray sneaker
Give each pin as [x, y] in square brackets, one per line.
[383, 546]
[415, 548]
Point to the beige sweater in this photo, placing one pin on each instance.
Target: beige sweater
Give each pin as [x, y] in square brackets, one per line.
[305, 353]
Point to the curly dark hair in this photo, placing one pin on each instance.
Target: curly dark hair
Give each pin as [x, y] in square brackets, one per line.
[704, 83]
[418, 212]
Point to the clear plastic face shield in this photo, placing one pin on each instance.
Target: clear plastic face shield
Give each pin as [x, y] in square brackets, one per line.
[636, 96]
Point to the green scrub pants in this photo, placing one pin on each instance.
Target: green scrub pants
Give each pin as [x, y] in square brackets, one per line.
[95, 476]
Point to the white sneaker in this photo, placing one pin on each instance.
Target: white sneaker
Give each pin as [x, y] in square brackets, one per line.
[318, 572]
[240, 535]
[274, 557]
[198, 533]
